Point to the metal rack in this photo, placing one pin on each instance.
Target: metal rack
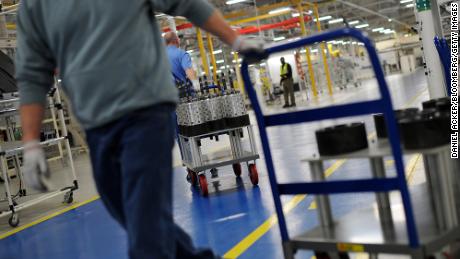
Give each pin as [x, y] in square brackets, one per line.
[197, 163]
[335, 238]
[13, 149]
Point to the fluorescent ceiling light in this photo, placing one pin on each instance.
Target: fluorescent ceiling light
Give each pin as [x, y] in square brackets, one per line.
[336, 21]
[279, 38]
[360, 44]
[309, 12]
[303, 51]
[220, 61]
[222, 67]
[314, 50]
[409, 5]
[388, 31]
[378, 29]
[239, 60]
[280, 10]
[190, 51]
[295, 14]
[406, 1]
[219, 71]
[217, 51]
[390, 20]
[324, 18]
[160, 15]
[353, 22]
[362, 26]
[262, 64]
[234, 1]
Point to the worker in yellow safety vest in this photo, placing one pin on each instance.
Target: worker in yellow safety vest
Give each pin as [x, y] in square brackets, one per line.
[288, 84]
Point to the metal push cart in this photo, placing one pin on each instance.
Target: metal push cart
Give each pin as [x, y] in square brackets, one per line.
[13, 149]
[197, 163]
[366, 231]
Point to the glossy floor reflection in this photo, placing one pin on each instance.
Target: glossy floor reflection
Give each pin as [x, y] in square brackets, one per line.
[235, 208]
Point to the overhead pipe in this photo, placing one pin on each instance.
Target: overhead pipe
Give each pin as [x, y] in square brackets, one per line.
[287, 24]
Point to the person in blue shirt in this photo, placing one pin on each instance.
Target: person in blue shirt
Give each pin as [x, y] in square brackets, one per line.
[181, 62]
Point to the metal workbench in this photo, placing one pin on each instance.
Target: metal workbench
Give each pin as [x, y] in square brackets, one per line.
[197, 163]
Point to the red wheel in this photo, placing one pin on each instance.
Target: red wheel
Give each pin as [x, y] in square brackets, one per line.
[203, 184]
[237, 169]
[192, 176]
[253, 174]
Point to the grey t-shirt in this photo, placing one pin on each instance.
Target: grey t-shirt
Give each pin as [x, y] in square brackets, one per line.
[109, 54]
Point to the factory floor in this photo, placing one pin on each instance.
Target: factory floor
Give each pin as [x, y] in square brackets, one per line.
[237, 219]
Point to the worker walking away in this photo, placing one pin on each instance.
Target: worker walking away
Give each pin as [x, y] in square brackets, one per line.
[288, 83]
[184, 74]
[113, 65]
[181, 65]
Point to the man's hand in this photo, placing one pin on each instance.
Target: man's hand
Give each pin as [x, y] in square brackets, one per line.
[35, 171]
[252, 49]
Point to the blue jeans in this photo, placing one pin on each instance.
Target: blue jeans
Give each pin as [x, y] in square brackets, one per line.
[132, 165]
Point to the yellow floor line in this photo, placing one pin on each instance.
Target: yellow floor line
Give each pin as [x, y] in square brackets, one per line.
[45, 218]
[255, 235]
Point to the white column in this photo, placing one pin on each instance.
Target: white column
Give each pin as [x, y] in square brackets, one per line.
[434, 71]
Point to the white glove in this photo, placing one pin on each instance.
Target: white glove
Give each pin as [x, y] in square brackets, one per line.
[35, 171]
[196, 85]
[252, 49]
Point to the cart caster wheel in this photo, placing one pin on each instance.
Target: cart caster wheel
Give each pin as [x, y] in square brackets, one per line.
[68, 197]
[237, 169]
[192, 178]
[14, 220]
[22, 192]
[253, 175]
[203, 184]
[15, 203]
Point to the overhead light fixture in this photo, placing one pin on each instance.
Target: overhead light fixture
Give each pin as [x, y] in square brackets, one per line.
[220, 61]
[230, 2]
[390, 20]
[336, 21]
[217, 51]
[160, 15]
[314, 50]
[388, 31]
[378, 29]
[279, 38]
[406, 1]
[362, 26]
[303, 51]
[262, 64]
[353, 22]
[280, 10]
[324, 18]
[309, 12]
[295, 14]
[239, 60]
[409, 5]
[222, 67]
[190, 51]
[219, 71]
[360, 44]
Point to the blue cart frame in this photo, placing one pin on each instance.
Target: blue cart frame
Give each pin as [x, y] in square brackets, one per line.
[382, 105]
